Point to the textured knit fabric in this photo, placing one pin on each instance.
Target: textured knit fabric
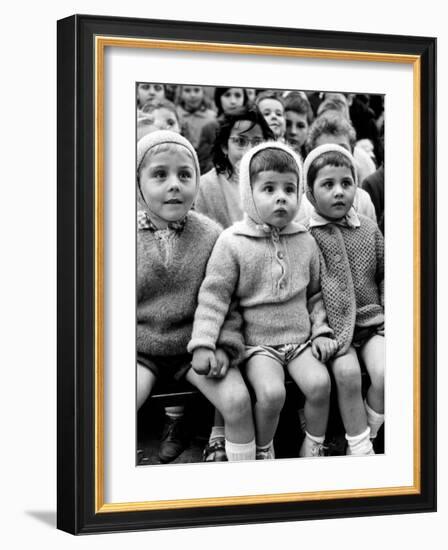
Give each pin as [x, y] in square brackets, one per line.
[165, 137]
[219, 199]
[273, 274]
[192, 122]
[274, 278]
[167, 293]
[352, 277]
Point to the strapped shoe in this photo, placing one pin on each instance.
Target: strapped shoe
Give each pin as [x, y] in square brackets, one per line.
[215, 450]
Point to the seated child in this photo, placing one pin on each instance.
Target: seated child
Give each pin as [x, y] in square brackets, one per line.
[271, 264]
[352, 278]
[173, 247]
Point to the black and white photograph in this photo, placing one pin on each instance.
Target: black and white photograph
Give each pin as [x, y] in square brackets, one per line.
[260, 329]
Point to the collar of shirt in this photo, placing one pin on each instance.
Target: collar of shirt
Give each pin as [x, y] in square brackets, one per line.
[144, 222]
[351, 219]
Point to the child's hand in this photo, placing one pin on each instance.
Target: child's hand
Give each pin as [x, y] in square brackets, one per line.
[222, 362]
[203, 361]
[323, 348]
[380, 330]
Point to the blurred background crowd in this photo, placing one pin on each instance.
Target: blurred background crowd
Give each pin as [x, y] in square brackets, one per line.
[221, 123]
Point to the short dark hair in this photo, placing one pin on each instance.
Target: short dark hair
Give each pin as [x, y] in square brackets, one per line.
[332, 123]
[251, 114]
[219, 92]
[295, 102]
[273, 159]
[330, 158]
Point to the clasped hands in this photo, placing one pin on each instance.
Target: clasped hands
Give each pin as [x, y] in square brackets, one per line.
[212, 364]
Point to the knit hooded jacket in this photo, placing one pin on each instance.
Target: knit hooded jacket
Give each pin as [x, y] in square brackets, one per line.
[273, 274]
[167, 294]
[352, 267]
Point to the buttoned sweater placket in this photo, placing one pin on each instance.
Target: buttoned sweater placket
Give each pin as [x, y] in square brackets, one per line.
[280, 259]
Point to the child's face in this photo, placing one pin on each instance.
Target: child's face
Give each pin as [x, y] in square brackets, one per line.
[274, 114]
[232, 101]
[168, 184]
[275, 197]
[337, 139]
[296, 129]
[149, 93]
[334, 191]
[159, 119]
[192, 96]
[242, 137]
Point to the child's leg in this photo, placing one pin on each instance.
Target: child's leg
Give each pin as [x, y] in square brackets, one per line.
[314, 381]
[145, 382]
[347, 373]
[231, 397]
[372, 354]
[266, 377]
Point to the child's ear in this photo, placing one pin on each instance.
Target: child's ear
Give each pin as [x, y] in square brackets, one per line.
[224, 149]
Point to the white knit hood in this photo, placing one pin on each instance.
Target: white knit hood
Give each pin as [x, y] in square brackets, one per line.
[244, 174]
[316, 153]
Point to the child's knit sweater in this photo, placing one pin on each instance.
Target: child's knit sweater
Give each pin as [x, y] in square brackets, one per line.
[352, 277]
[275, 279]
[167, 293]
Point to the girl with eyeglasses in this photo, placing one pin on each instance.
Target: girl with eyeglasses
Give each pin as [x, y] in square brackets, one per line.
[219, 195]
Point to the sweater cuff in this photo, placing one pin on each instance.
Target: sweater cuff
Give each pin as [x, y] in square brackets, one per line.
[199, 343]
[323, 330]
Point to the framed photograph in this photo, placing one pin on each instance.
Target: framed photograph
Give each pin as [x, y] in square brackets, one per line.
[142, 103]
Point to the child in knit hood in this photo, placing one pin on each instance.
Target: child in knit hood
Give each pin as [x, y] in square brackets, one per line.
[271, 264]
[173, 247]
[352, 278]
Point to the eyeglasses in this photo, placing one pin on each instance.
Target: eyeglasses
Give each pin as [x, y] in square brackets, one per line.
[243, 141]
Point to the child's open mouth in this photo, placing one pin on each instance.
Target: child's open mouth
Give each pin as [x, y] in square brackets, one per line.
[173, 201]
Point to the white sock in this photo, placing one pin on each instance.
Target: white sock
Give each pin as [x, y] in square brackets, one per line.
[309, 443]
[360, 445]
[374, 420]
[269, 447]
[217, 433]
[240, 451]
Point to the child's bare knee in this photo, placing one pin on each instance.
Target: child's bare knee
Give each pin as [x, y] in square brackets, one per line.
[320, 388]
[237, 406]
[272, 397]
[348, 377]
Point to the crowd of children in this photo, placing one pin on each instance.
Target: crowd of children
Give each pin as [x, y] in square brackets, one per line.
[260, 255]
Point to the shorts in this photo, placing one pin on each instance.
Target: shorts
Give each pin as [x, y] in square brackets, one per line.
[362, 335]
[166, 367]
[283, 354]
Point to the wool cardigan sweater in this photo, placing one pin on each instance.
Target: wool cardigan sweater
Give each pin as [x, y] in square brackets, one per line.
[273, 274]
[167, 294]
[352, 277]
[352, 266]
